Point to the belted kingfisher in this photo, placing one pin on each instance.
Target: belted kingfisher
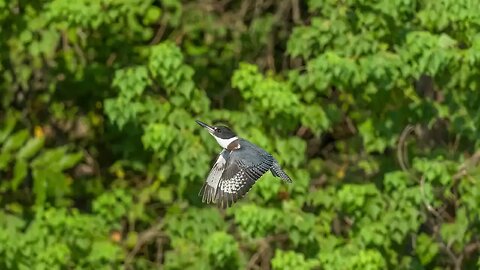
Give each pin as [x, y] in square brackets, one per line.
[239, 165]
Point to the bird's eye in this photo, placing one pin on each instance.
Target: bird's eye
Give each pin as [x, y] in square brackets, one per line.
[219, 130]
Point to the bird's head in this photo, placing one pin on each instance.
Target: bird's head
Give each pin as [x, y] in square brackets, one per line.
[222, 134]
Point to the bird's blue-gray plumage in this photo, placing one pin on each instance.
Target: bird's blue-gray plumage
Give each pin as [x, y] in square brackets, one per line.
[236, 170]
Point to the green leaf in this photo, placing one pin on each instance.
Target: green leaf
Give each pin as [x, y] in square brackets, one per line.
[5, 159]
[15, 141]
[10, 120]
[69, 160]
[40, 185]
[152, 15]
[31, 148]
[426, 249]
[45, 158]
[20, 171]
[103, 251]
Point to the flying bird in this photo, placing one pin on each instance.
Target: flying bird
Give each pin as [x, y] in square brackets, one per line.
[239, 165]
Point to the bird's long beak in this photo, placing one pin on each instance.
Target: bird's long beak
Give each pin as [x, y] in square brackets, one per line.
[202, 124]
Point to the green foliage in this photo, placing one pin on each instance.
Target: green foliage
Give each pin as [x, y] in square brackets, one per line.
[291, 260]
[256, 221]
[222, 250]
[56, 239]
[345, 258]
[112, 206]
[22, 155]
[427, 249]
[370, 106]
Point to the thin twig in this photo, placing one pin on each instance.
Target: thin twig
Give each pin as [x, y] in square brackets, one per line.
[264, 252]
[160, 31]
[350, 125]
[467, 165]
[296, 12]
[159, 255]
[429, 207]
[143, 238]
[401, 149]
[457, 261]
[253, 260]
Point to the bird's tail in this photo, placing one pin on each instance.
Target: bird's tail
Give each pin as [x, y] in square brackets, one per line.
[278, 172]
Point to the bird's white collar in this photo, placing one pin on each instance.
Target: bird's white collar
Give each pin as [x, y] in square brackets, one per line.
[225, 142]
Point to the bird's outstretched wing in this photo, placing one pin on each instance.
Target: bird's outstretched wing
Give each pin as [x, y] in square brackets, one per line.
[277, 171]
[209, 189]
[239, 176]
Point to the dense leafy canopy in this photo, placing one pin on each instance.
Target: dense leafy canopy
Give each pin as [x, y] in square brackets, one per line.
[372, 107]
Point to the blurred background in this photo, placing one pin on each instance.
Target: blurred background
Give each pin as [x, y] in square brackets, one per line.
[372, 107]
